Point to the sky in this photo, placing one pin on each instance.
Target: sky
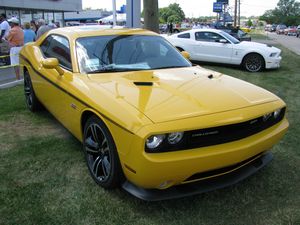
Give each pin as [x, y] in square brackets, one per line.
[195, 8]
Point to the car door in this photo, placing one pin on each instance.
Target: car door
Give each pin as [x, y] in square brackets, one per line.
[210, 49]
[56, 89]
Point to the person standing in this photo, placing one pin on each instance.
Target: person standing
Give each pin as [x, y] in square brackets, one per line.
[16, 41]
[29, 35]
[5, 28]
[34, 27]
[43, 28]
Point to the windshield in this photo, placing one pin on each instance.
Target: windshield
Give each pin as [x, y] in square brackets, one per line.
[126, 53]
[230, 38]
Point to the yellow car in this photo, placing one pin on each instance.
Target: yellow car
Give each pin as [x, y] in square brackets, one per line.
[246, 29]
[149, 121]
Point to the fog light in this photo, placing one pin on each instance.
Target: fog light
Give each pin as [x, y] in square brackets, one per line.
[174, 138]
[165, 184]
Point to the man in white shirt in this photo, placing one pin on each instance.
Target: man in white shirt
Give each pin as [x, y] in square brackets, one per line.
[5, 28]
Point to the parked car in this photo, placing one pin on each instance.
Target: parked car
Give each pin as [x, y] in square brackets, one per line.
[290, 31]
[280, 29]
[211, 45]
[298, 31]
[149, 120]
[236, 33]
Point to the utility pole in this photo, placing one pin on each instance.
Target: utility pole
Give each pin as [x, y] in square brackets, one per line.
[239, 17]
[151, 15]
[235, 13]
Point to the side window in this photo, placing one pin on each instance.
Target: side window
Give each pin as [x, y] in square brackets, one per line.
[58, 47]
[186, 35]
[208, 36]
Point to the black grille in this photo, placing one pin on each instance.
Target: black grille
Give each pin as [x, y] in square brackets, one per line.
[222, 134]
[233, 132]
[221, 171]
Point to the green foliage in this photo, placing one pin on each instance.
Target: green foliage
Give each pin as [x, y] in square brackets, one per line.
[286, 12]
[249, 23]
[171, 14]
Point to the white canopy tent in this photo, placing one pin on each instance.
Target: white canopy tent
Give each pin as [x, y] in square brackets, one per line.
[121, 18]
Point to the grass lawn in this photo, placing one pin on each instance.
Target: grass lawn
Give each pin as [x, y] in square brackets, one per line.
[44, 179]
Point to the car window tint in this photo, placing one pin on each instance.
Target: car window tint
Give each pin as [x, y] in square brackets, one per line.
[57, 47]
[46, 43]
[186, 35]
[208, 36]
[127, 52]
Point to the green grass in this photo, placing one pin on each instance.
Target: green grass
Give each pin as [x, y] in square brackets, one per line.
[44, 179]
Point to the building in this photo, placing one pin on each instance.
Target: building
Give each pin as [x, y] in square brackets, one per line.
[86, 16]
[49, 10]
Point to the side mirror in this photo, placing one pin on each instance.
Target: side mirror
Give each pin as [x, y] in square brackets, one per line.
[185, 54]
[52, 63]
[223, 41]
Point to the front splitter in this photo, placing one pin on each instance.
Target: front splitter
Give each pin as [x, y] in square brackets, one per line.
[199, 187]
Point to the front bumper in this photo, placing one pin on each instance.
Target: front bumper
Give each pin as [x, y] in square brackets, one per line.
[273, 63]
[202, 186]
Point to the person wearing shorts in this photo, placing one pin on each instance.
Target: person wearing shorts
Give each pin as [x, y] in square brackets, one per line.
[16, 41]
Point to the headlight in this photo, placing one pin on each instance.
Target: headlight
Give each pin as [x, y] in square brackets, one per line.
[277, 113]
[154, 141]
[273, 54]
[174, 138]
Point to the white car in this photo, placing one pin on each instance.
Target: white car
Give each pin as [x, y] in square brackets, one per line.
[211, 45]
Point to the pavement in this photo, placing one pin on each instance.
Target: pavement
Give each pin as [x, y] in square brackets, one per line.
[8, 78]
[290, 42]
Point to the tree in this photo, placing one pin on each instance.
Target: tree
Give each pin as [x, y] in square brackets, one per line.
[171, 14]
[249, 23]
[287, 12]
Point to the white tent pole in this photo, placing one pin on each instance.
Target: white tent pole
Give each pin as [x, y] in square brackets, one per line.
[114, 13]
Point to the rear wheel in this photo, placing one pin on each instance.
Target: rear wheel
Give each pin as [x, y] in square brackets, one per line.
[253, 62]
[101, 154]
[32, 102]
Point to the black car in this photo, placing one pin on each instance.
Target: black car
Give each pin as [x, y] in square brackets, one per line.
[236, 32]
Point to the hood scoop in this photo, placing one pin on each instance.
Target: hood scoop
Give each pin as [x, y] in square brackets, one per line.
[143, 83]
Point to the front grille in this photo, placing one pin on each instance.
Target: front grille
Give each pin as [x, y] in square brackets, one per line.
[224, 170]
[233, 132]
[222, 134]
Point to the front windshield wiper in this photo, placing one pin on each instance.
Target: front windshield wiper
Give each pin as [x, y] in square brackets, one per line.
[167, 67]
[113, 68]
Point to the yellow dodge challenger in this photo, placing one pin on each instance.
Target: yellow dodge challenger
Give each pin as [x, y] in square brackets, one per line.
[149, 120]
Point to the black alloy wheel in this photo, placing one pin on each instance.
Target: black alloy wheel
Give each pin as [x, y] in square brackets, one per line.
[101, 154]
[32, 102]
[253, 62]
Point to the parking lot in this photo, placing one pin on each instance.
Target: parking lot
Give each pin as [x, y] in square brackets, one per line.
[290, 42]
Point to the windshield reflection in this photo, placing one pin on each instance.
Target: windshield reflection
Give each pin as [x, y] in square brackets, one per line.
[116, 53]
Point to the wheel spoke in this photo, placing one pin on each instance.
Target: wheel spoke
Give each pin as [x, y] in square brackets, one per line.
[96, 164]
[106, 167]
[94, 133]
[91, 144]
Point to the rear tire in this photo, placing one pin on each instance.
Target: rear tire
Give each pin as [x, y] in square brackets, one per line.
[33, 104]
[101, 154]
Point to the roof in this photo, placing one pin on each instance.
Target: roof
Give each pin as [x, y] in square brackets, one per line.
[74, 32]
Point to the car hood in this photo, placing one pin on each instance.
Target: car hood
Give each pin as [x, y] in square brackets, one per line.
[256, 46]
[172, 94]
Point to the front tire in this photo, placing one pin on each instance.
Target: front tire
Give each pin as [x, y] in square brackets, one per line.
[32, 102]
[101, 154]
[253, 62]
